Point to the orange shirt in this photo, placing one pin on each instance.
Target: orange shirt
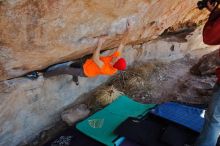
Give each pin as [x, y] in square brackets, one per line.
[91, 69]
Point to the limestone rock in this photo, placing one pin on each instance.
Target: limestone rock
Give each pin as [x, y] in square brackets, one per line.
[31, 106]
[206, 64]
[75, 114]
[39, 33]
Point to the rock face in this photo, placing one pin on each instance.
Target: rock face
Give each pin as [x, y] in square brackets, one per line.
[38, 33]
[75, 114]
[27, 107]
[207, 64]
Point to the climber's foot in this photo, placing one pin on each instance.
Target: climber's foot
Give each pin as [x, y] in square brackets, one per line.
[76, 80]
[32, 76]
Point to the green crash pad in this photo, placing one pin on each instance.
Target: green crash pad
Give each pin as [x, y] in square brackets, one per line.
[100, 126]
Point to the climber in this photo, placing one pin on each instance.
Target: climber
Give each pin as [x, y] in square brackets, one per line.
[211, 129]
[97, 65]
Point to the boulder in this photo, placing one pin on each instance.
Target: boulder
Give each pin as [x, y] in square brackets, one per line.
[72, 115]
[39, 33]
[207, 64]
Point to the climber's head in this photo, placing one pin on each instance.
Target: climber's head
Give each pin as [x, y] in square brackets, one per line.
[120, 64]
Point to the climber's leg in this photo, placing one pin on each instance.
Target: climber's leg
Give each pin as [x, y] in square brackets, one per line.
[76, 65]
[75, 72]
[64, 70]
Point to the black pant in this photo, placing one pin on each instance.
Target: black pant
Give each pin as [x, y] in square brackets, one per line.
[64, 70]
[75, 69]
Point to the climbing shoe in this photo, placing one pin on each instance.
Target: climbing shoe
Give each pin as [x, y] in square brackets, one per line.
[76, 80]
[32, 76]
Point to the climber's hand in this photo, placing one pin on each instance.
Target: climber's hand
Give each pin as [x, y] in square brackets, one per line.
[103, 38]
[210, 6]
[128, 26]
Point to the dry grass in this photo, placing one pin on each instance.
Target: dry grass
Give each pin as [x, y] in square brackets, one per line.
[107, 95]
[135, 82]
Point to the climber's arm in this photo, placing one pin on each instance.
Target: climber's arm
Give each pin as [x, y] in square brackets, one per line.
[124, 39]
[116, 54]
[121, 47]
[123, 42]
[96, 53]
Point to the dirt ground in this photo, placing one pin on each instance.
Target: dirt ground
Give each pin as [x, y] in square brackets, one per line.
[156, 82]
